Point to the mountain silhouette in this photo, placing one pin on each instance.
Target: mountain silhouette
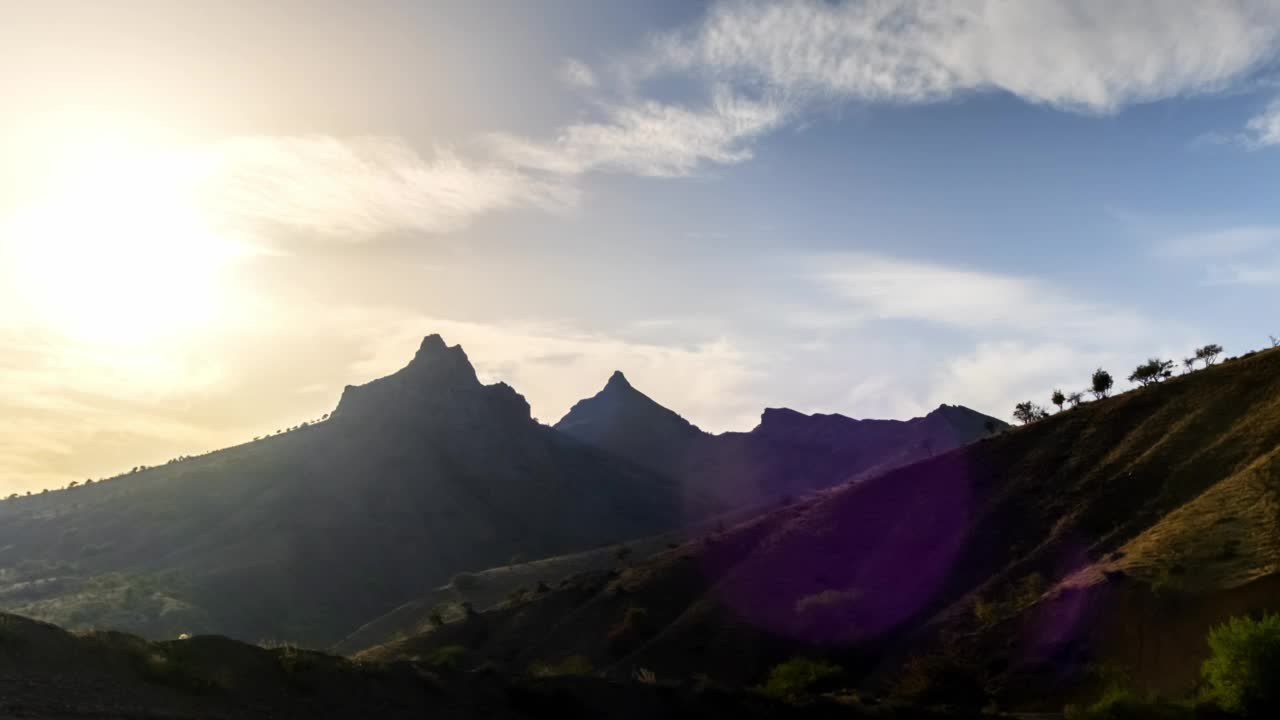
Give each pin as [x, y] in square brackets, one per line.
[304, 535]
[788, 454]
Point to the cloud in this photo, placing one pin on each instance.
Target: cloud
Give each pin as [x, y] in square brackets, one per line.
[650, 138]
[1241, 255]
[1263, 130]
[1225, 242]
[361, 187]
[1093, 56]
[576, 73]
[996, 375]
[887, 288]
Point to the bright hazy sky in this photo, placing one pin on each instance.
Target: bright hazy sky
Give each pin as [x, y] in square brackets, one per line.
[213, 215]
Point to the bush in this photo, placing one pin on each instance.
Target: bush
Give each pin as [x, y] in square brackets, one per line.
[797, 678]
[447, 657]
[631, 632]
[1242, 673]
[572, 665]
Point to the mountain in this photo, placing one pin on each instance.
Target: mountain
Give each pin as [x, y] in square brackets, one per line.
[625, 421]
[786, 455]
[305, 535]
[1030, 568]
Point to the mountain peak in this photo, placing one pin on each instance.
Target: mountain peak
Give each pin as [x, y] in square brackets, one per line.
[617, 381]
[439, 375]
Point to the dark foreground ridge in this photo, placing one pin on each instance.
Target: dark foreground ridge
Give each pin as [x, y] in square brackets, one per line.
[46, 672]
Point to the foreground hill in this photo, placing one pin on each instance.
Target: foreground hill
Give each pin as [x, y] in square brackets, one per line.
[1109, 536]
[46, 672]
[787, 455]
[306, 535]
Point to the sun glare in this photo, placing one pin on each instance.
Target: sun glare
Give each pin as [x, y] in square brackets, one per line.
[115, 246]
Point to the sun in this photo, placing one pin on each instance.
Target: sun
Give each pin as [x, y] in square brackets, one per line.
[115, 245]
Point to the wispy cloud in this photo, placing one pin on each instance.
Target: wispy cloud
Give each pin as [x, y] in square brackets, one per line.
[889, 288]
[361, 187]
[1263, 130]
[1240, 255]
[576, 73]
[1093, 56]
[651, 138]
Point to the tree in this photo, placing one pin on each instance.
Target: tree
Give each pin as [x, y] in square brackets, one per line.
[1275, 341]
[1188, 365]
[1152, 371]
[1058, 399]
[1102, 384]
[1075, 398]
[1209, 354]
[72, 484]
[1028, 412]
[1243, 670]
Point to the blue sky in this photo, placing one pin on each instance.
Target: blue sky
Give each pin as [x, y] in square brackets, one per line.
[864, 207]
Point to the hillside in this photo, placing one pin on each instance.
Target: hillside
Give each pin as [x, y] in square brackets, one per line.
[306, 535]
[1107, 536]
[46, 672]
[787, 455]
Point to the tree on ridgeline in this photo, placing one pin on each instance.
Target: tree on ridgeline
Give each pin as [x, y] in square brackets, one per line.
[1152, 371]
[1058, 399]
[1102, 384]
[1029, 412]
[1209, 354]
[1074, 399]
[1188, 365]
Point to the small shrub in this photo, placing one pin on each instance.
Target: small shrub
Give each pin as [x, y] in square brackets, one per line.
[1242, 673]
[448, 657]
[630, 632]
[572, 665]
[798, 678]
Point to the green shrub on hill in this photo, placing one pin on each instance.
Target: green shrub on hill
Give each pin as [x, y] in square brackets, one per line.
[1242, 673]
[798, 678]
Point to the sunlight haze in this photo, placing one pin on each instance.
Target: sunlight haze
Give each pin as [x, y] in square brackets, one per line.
[215, 216]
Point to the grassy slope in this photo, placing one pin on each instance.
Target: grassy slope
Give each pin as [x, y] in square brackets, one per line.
[871, 573]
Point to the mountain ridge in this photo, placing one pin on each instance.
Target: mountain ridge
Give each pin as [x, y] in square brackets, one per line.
[788, 453]
[1113, 534]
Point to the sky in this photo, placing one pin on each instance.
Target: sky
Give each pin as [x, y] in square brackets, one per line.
[213, 216]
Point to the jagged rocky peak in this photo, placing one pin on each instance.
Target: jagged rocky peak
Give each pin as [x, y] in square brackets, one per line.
[436, 359]
[439, 377]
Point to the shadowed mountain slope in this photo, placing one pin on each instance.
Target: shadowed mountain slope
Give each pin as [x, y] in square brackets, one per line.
[304, 536]
[786, 455]
[46, 672]
[1017, 562]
